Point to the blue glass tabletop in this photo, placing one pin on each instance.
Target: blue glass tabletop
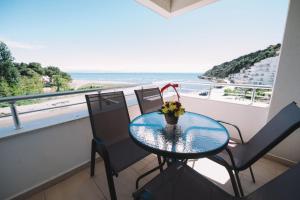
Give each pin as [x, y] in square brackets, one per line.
[194, 136]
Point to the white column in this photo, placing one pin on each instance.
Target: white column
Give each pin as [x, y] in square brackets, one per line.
[287, 84]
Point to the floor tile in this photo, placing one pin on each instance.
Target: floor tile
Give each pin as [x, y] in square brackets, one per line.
[78, 187]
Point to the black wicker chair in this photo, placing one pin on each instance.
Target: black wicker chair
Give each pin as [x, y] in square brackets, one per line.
[242, 156]
[179, 182]
[109, 120]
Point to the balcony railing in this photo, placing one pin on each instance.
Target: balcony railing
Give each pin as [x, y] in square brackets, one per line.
[216, 91]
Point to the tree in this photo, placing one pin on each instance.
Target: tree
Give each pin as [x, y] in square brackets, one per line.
[4, 88]
[33, 85]
[37, 67]
[24, 79]
[60, 83]
[66, 76]
[9, 73]
[51, 71]
[5, 55]
[7, 70]
[58, 78]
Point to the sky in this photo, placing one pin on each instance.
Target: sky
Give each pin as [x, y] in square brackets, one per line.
[124, 36]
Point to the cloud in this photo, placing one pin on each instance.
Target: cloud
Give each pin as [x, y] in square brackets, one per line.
[21, 45]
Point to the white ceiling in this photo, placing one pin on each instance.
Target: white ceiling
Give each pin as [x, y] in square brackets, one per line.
[170, 8]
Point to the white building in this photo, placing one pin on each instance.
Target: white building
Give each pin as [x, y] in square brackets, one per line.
[261, 73]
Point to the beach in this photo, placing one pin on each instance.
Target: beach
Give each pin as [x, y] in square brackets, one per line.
[77, 84]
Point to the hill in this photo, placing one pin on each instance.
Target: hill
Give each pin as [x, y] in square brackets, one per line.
[225, 69]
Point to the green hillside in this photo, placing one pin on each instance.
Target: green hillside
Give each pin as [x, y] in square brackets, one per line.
[27, 78]
[234, 66]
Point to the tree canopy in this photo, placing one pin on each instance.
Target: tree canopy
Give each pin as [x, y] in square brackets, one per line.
[5, 55]
[27, 78]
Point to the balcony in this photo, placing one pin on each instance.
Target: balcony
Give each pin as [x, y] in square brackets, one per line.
[47, 157]
[79, 185]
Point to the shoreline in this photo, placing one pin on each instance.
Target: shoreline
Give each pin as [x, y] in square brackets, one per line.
[102, 84]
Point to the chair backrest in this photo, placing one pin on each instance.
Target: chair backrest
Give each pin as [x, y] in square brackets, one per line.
[109, 116]
[285, 186]
[277, 129]
[150, 100]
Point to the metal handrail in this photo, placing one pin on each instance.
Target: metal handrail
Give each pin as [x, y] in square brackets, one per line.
[13, 99]
[39, 96]
[236, 85]
[13, 109]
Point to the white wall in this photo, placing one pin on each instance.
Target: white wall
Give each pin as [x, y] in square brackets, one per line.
[30, 159]
[287, 83]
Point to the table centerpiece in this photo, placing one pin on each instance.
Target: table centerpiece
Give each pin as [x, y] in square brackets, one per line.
[172, 111]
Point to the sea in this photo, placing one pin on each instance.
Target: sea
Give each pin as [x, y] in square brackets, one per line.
[189, 82]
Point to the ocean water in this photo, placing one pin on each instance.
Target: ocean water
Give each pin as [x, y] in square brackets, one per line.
[137, 78]
[189, 82]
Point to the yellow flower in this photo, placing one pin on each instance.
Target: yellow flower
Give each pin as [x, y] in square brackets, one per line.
[179, 112]
[172, 107]
[164, 110]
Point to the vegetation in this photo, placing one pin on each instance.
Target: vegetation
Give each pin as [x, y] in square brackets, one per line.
[103, 86]
[23, 79]
[234, 66]
[90, 86]
[246, 93]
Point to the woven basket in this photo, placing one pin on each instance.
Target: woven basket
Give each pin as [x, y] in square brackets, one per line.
[171, 119]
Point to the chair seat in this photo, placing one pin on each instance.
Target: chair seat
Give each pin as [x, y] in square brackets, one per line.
[178, 182]
[239, 159]
[125, 153]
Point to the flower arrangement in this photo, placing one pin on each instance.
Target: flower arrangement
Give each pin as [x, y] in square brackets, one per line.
[172, 110]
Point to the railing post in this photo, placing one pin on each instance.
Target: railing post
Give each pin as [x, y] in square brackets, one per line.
[253, 95]
[209, 92]
[14, 114]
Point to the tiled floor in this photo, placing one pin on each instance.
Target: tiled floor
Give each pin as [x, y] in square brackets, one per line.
[81, 186]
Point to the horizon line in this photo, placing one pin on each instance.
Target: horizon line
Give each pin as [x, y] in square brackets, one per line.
[124, 72]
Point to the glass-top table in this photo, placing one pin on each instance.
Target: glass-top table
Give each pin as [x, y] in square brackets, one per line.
[194, 136]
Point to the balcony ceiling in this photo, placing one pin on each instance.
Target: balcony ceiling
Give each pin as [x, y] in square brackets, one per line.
[170, 8]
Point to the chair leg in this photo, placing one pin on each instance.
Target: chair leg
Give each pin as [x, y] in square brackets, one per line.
[159, 163]
[233, 183]
[252, 174]
[110, 181]
[193, 166]
[93, 155]
[239, 183]
[149, 172]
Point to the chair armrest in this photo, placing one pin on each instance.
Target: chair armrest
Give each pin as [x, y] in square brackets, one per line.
[236, 127]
